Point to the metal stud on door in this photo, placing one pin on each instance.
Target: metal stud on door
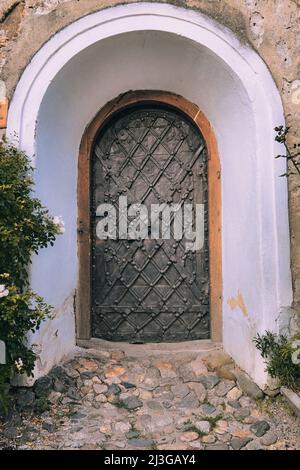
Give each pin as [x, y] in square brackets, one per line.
[149, 290]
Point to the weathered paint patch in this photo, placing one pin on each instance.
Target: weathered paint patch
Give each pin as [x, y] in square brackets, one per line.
[2, 89]
[296, 92]
[3, 112]
[238, 302]
[53, 342]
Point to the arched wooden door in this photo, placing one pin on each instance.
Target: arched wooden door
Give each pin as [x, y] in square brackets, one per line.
[149, 290]
[148, 146]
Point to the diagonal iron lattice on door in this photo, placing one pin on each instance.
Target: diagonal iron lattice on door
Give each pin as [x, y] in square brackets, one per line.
[149, 290]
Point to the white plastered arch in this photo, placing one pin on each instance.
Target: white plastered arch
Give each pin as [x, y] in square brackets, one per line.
[159, 46]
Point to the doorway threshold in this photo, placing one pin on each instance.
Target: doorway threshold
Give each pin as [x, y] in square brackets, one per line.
[203, 346]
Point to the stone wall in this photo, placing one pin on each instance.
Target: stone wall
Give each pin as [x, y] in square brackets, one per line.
[269, 26]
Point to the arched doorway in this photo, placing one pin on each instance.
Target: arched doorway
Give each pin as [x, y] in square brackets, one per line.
[149, 290]
[136, 46]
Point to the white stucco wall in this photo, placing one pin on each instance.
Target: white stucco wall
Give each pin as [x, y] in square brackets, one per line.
[164, 48]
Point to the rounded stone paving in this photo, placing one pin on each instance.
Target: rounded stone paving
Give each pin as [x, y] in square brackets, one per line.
[112, 400]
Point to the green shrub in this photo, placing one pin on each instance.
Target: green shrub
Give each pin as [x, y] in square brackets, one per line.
[25, 227]
[279, 351]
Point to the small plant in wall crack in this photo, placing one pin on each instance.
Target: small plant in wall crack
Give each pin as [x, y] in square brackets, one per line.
[25, 228]
[291, 155]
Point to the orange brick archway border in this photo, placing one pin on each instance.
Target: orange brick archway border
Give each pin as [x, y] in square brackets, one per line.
[127, 100]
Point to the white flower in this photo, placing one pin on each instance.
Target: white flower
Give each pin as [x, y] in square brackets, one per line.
[19, 364]
[60, 223]
[296, 354]
[3, 292]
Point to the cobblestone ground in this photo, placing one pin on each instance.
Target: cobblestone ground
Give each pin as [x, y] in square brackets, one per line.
[114, 401]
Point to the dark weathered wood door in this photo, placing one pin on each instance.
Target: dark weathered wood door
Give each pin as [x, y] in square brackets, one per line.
[149, 290]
